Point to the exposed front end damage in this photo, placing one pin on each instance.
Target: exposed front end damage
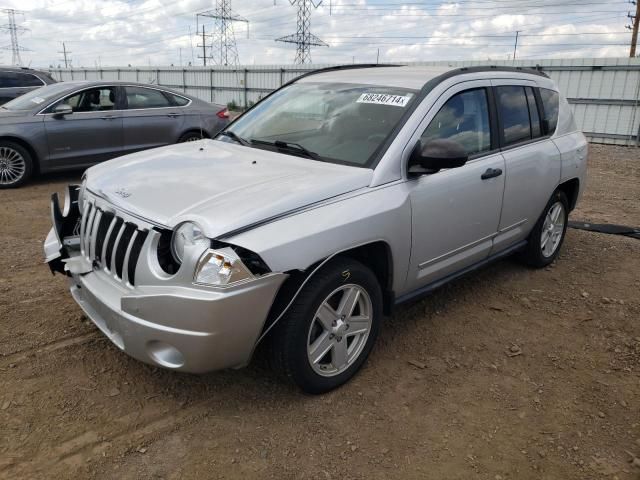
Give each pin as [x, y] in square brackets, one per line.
[161, 316]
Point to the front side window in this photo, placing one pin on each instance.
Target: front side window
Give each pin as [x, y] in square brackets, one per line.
[334, 122]
[464, 119]
[92, 100]
[551, 106]
[514, 112]
[140, 97]
[29, 80]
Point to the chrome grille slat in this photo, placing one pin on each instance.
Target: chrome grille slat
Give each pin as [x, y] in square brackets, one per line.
[103, 257]
[83, 227]
[112, 267]
[93, 234]
[88, 229]
[125, 269]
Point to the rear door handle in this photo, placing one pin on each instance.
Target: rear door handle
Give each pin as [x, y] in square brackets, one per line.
[173, 115]
[109, 117]
[490, 173]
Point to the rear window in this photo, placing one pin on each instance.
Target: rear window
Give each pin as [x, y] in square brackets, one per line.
[551, 106]
[514, 112]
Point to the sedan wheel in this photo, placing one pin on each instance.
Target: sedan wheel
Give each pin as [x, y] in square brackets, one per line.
[339, 330]
[15, 165]
[552, 229]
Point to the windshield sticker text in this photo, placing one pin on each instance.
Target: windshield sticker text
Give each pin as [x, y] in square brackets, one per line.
[384, 99]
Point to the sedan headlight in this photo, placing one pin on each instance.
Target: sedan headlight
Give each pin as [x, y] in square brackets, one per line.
[187, 234]
[221, 268]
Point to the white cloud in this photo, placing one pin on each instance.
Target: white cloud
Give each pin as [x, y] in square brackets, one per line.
[138, 32]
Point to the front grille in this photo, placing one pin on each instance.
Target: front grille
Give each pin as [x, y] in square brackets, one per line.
[111, 242]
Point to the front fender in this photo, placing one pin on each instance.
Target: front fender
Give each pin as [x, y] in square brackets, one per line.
[302, 239]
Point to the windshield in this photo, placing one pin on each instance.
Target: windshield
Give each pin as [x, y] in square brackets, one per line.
[335, 122]
[39, 96]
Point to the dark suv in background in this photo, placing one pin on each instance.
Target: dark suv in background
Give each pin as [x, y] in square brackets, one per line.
[16, 81]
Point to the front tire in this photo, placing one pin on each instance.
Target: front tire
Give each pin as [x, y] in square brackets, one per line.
[328, 332]
[547, 236]
[191, 137]
[16, 165]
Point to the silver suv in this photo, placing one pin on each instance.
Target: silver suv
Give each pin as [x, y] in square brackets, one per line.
[335, 198]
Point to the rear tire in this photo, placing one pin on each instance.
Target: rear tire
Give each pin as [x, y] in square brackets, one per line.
[191, 137]
[547, 236]
[16, 165]
[328, 332]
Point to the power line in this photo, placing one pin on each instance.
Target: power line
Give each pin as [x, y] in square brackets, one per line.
[303, 38]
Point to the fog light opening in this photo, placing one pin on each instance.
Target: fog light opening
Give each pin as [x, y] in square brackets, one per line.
[164, 354]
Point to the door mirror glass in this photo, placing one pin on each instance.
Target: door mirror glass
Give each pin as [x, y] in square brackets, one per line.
[62, 109]
[438, 154]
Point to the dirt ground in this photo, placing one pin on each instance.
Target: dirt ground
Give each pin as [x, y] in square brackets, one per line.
[509, 373]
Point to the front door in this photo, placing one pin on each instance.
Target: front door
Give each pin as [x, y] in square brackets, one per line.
[150, 119]
[91, 134]
[456, 211]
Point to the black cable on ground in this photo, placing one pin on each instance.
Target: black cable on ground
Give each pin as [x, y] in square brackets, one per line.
[607, 228]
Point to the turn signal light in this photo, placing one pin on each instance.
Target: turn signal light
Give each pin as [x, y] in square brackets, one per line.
[224, 113]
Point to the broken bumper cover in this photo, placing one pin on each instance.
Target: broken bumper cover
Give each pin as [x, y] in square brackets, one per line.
[180, 328]
[189, 328]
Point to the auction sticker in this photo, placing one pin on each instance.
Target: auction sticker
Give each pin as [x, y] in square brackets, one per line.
[384, 99]
[37, 100]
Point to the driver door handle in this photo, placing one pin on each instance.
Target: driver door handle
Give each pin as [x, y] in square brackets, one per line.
[490, 173]
[108, 117]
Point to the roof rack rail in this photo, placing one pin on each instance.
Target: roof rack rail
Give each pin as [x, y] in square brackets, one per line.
[537, 70]
[350, 66]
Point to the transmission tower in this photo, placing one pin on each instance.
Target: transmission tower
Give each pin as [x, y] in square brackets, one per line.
[13, 30]
[303, 38]
[223, 46]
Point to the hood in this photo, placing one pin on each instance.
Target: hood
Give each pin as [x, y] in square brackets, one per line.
[219, 185]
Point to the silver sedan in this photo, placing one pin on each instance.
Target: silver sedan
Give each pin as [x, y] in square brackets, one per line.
[73, 125]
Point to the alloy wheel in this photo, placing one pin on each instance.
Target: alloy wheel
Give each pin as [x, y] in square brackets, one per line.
[552, 229]
[339, 330]
[12, 166]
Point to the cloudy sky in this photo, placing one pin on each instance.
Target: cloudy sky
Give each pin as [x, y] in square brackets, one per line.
[163, 32]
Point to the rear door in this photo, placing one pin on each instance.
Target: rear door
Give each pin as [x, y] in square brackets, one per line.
[532, 160]
[151, 119]
[14, 84]
[91, 134]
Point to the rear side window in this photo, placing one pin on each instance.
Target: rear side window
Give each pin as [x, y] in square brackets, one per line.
[464, 119]
[177, 100]
[534, 116]
[17, 79]
[514, 113]
[551, 106]
[140, 97]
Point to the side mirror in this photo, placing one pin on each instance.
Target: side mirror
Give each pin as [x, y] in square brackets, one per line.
[62, 109]
[438, 154]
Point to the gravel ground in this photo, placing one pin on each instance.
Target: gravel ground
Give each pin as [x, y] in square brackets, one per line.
[510, 373]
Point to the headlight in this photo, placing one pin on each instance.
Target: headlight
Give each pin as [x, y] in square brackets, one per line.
[221, 267]
[187, 233]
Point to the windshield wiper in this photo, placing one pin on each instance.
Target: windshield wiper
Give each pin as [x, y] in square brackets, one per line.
[291, 146]
[233, 136]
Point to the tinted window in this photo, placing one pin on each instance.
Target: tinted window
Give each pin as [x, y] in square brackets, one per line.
[464, 119]
[16, 79]
[514, 113]
[139, 97]
[178, 100]
[92, 100]
[551, 105]
[534, 116]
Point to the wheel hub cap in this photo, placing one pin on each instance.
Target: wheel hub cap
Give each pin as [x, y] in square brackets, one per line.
[12, 166]
[552, 229]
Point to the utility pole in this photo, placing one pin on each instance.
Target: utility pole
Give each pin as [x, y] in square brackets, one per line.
[13, 30]
[65, 52]
[515, 46]
[204, 47]
[303, 38]
[224, 50]
[636, 23]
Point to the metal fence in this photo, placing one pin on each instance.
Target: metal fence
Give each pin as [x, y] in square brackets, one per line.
[604, 92]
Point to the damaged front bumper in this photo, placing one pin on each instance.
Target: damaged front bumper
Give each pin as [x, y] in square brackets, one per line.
[183, 327]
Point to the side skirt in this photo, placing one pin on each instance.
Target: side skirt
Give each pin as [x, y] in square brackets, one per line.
[427, 289]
